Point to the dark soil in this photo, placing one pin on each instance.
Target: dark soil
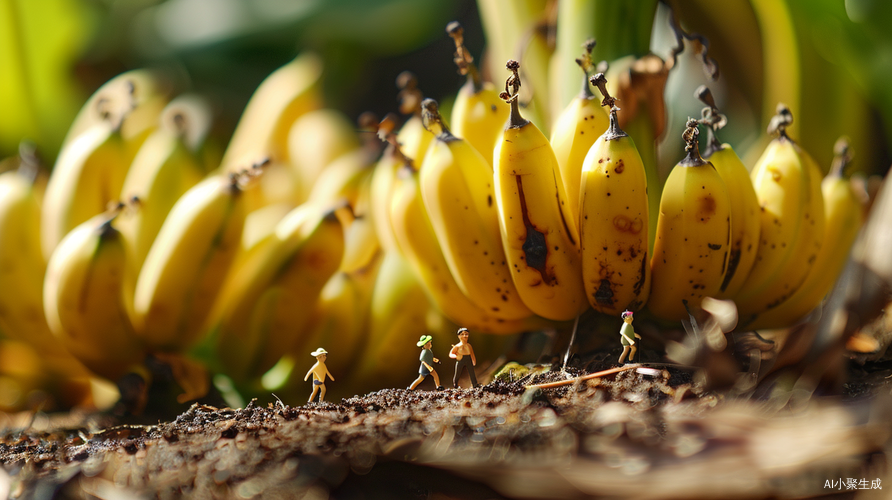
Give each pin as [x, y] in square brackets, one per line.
[644, 433]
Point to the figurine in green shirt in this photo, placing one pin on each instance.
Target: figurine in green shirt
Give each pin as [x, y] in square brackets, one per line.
[627, 337]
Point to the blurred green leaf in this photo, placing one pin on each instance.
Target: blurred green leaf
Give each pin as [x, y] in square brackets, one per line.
[40, 42]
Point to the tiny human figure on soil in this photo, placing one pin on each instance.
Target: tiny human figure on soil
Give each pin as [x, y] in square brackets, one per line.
[319, 372]
[627, 337]
[463, 354]
[427, 359]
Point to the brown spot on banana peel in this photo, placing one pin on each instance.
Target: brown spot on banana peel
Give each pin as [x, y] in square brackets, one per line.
[639, 285]
[604, 294]
[707, 208]
[733, 261]
[624, 224]
[535, 248]
[557, 197]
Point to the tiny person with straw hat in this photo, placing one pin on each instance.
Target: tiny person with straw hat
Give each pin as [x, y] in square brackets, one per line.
[427, 359]
[319, 372]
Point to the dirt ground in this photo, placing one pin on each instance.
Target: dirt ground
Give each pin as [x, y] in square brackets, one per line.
[644, 431]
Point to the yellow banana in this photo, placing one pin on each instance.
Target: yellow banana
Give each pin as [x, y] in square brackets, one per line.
[88, 175]
[788, 185]
[317, 139]
[22, 266]
[693, 234]
[397, 318]
[456, 185]
[418, 244]
[539, 237]
[135, 99]
[412, 137]
[84, 300]
[261, 135]
[165, 167]
[576, 129]
[614, 220]
[188, 262]
[382, 183]
[341, 316]
[266, 305]
[478, 115]
[844, 216]
[361, 243]
[745, 222]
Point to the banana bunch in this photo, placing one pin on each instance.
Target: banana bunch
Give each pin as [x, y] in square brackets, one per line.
[148, 242]
[693, 234]
[788, 186]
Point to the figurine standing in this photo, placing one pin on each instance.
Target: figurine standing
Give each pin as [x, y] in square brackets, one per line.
[319, 372]
[627, 337]
[463, 354]
[427, 360]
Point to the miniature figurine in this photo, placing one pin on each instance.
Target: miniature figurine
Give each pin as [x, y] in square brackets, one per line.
[427, 359]
[628, 336]
[319, 372]
[463, 354]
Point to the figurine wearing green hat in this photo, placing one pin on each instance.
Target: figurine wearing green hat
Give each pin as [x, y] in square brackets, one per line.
[427, 359]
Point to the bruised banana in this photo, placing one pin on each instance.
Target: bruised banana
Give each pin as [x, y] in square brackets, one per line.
[539, 238]
[84, 298]
[266, 305]
[844, 216]
[188, 262]
[418, 244]
[166, 166]
[613, 222]
[478, 114]
[745, 223]
[788, 185]
[575, 131]
[456, 185]
[693, 235]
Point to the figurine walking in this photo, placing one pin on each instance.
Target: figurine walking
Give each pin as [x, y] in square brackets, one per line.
[427, 359]
[319, 372]
[627, 337]
[463, 354]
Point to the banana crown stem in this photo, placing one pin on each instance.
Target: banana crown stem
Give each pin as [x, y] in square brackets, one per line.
[585, 63]
[692, 145]
[842, 158]
[509, 95]
[462, 58]
[433, 122]
[387, 133]
[780, 121]
[710, 117]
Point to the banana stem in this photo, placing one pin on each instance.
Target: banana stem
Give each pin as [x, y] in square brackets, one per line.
[433, 122]
[509, 95]
[462, 58]
[692, 145]
[711, 118]
[842, 158]
[410, 95]
[585, 63]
